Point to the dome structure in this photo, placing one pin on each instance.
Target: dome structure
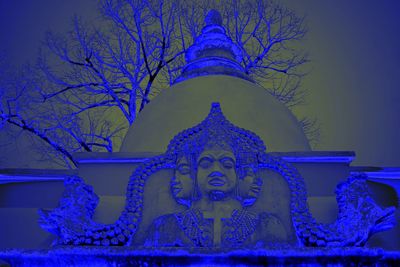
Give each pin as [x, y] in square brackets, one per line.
[213, 74]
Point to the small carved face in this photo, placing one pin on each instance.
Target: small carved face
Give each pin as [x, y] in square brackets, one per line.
[216, 171]
[249, 187]
[182, 183]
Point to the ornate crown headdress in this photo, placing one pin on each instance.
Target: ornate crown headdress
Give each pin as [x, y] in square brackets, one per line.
[215, 129]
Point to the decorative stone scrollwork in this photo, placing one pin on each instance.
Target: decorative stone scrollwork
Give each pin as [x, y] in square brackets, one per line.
[221, 175]
[73, 216]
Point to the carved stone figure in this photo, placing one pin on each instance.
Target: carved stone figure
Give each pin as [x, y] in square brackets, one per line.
[216, 217]
[226, 191]
[73, 216]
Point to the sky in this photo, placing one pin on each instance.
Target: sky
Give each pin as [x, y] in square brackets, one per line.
[354, 80]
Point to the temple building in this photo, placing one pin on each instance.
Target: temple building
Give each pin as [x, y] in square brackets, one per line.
[214, 171]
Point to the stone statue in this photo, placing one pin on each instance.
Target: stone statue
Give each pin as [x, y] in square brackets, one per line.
[217, 215]
[219, 196]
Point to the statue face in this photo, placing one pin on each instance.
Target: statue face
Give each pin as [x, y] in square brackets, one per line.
[249, 187]
[182, 182]
[216, 171]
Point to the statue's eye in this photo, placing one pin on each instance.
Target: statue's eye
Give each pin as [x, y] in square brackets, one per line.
[183, 169]
[205, 162]
[227, 163]
[249, 171]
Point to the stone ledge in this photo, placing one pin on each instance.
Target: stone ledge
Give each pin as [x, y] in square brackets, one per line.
[33, 175]
[293, 157]
[125, 256]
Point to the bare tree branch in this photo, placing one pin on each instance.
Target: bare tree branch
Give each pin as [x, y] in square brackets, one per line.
[97, 73]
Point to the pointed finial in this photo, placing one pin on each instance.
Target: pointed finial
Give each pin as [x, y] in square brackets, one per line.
[213, 52]
[213, 17]
[216, 112]
[215, 106]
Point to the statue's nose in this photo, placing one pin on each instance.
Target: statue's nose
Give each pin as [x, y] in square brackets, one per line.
[216, 174]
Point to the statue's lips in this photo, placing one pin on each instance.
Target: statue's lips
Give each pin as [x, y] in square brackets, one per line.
[216, 181]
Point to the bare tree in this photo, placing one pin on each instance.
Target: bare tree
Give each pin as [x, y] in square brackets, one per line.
[60, 130]
[268, 35]
[98, 73]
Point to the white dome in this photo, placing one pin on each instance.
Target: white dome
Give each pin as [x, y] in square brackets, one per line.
[186, 104]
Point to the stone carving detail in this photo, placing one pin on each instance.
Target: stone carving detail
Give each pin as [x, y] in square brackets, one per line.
[218, 179]
[73, 216]
[359, 215]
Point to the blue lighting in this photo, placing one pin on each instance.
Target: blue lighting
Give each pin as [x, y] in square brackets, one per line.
[216, 146]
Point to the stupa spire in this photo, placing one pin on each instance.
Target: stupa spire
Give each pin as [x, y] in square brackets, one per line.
[213, 52]
[213, 17]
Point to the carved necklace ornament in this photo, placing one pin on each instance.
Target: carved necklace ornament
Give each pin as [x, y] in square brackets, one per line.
[239, 228]
[359, 216]
[199, 230]
[195, 227]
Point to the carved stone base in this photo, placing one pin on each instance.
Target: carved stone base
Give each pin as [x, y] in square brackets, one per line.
[125, 256]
